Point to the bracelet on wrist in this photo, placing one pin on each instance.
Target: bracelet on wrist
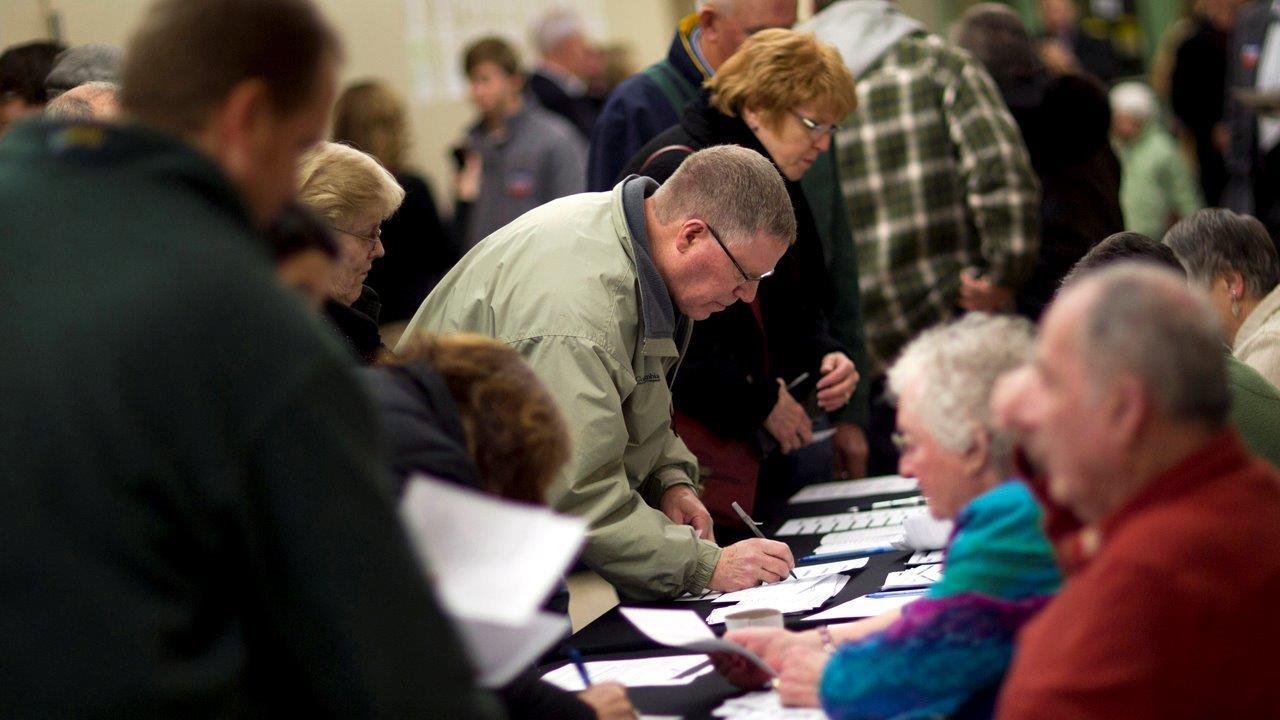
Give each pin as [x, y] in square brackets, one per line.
[824, 634]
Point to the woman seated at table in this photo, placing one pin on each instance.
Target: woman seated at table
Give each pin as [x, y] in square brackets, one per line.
[781, 95]
[353, 194]
[467, 409]
[946, 653]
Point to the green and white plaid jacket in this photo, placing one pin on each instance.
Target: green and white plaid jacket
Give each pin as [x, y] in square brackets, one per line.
[936, 178]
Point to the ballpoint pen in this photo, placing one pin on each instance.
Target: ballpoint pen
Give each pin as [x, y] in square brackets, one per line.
[576, 658]
[751, 524]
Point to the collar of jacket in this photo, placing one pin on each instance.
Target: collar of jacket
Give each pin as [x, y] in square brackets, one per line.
[681, 54]
[657, 313]
[133, 148]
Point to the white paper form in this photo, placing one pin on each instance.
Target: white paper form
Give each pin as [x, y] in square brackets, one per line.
[806, 595]
[666, 671]
[684, 629]
[845, 489]
[927, 557]
[913, 577]
[868, 606]
[806, 572]
[851, 541]
[764, 706]
[840, 522]
[490, 559]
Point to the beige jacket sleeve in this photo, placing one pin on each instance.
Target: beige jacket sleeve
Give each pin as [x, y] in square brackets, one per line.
[629, 543]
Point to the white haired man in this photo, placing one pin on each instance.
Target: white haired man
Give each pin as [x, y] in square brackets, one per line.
[566, 64]
[1157, 187]
[597, 292]
[1166, 525]
[95, 100]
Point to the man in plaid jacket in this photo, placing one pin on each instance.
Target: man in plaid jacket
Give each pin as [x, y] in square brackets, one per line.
[941, 195]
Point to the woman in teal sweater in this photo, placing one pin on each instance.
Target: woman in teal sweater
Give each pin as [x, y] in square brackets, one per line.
[946, 653]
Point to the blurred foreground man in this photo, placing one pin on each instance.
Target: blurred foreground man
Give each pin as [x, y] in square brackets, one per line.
[598, 292]
[1167, 526]
[194, 526]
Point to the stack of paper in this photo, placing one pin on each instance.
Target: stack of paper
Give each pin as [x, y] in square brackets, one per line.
[666, 671]
[845, 489]
[492, 563]
[764, 706]
[839, 522]
[684, 629]
[913, 577]
[869, 540]
[789, 596]
[868, 605]
[927, 557]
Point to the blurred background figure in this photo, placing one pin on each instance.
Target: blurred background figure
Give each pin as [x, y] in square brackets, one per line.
[1158, 187]
[96, 100]
[353, 195]
[617, 63]
[1231, 258]
[1198, 90]
[419, 248]
[1065, 121]
[1066, 48]
[305, 252]
[23, 69]
[83, 64]
[1253, 157]
[518, 155]
[567, 64]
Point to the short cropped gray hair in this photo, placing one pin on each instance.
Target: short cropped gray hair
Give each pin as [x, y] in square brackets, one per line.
[1144, 320]
[737, 191]
[1214, 241]
[83, 102]
[556, 26]
[83, 64]
[953, 368]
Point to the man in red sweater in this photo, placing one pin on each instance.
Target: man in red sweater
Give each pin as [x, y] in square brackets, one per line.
[1170, 528]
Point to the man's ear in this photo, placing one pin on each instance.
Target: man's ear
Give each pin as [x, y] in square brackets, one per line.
[686, 235]
[1127, 409]
[238, 127]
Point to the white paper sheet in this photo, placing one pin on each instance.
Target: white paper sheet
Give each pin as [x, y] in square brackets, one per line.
[786, 603]
[786, 591]
[804, 572]
[500, 652]
[867, 606]
[913, 577]
[704, 595]
[845, 489]
[764, 706]
[666, 671]
[927, 557]
[684, 629]
[491, 559]
[869, 540]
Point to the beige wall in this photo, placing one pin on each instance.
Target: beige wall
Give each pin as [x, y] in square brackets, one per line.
[373, 32]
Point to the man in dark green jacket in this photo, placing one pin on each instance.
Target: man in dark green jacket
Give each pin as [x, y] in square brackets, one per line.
[194, 521]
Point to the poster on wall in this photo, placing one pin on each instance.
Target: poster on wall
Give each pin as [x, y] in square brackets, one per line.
[437, 31]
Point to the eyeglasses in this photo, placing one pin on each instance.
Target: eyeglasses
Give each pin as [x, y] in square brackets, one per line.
[373, 239]
[815, 128]
[746, 276]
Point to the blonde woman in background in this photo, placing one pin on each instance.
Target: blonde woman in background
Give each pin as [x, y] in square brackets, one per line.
[419, 247]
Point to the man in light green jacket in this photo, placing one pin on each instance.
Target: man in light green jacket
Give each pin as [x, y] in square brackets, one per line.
[598, 293]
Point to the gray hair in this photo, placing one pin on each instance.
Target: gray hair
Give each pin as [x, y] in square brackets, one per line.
[1134, 99]
[553, 28]
[997, 37]
[953, 368]
[736, 190]
[84, 102]
[1213, 242]
[1146, 321]
[83, 64]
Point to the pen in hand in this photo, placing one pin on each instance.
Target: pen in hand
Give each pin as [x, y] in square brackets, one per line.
[751, 524]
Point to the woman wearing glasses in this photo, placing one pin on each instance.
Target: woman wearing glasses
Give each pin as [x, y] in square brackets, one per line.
[742, 386]
[353, 193]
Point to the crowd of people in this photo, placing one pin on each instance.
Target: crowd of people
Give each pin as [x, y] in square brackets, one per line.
[238, 324]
